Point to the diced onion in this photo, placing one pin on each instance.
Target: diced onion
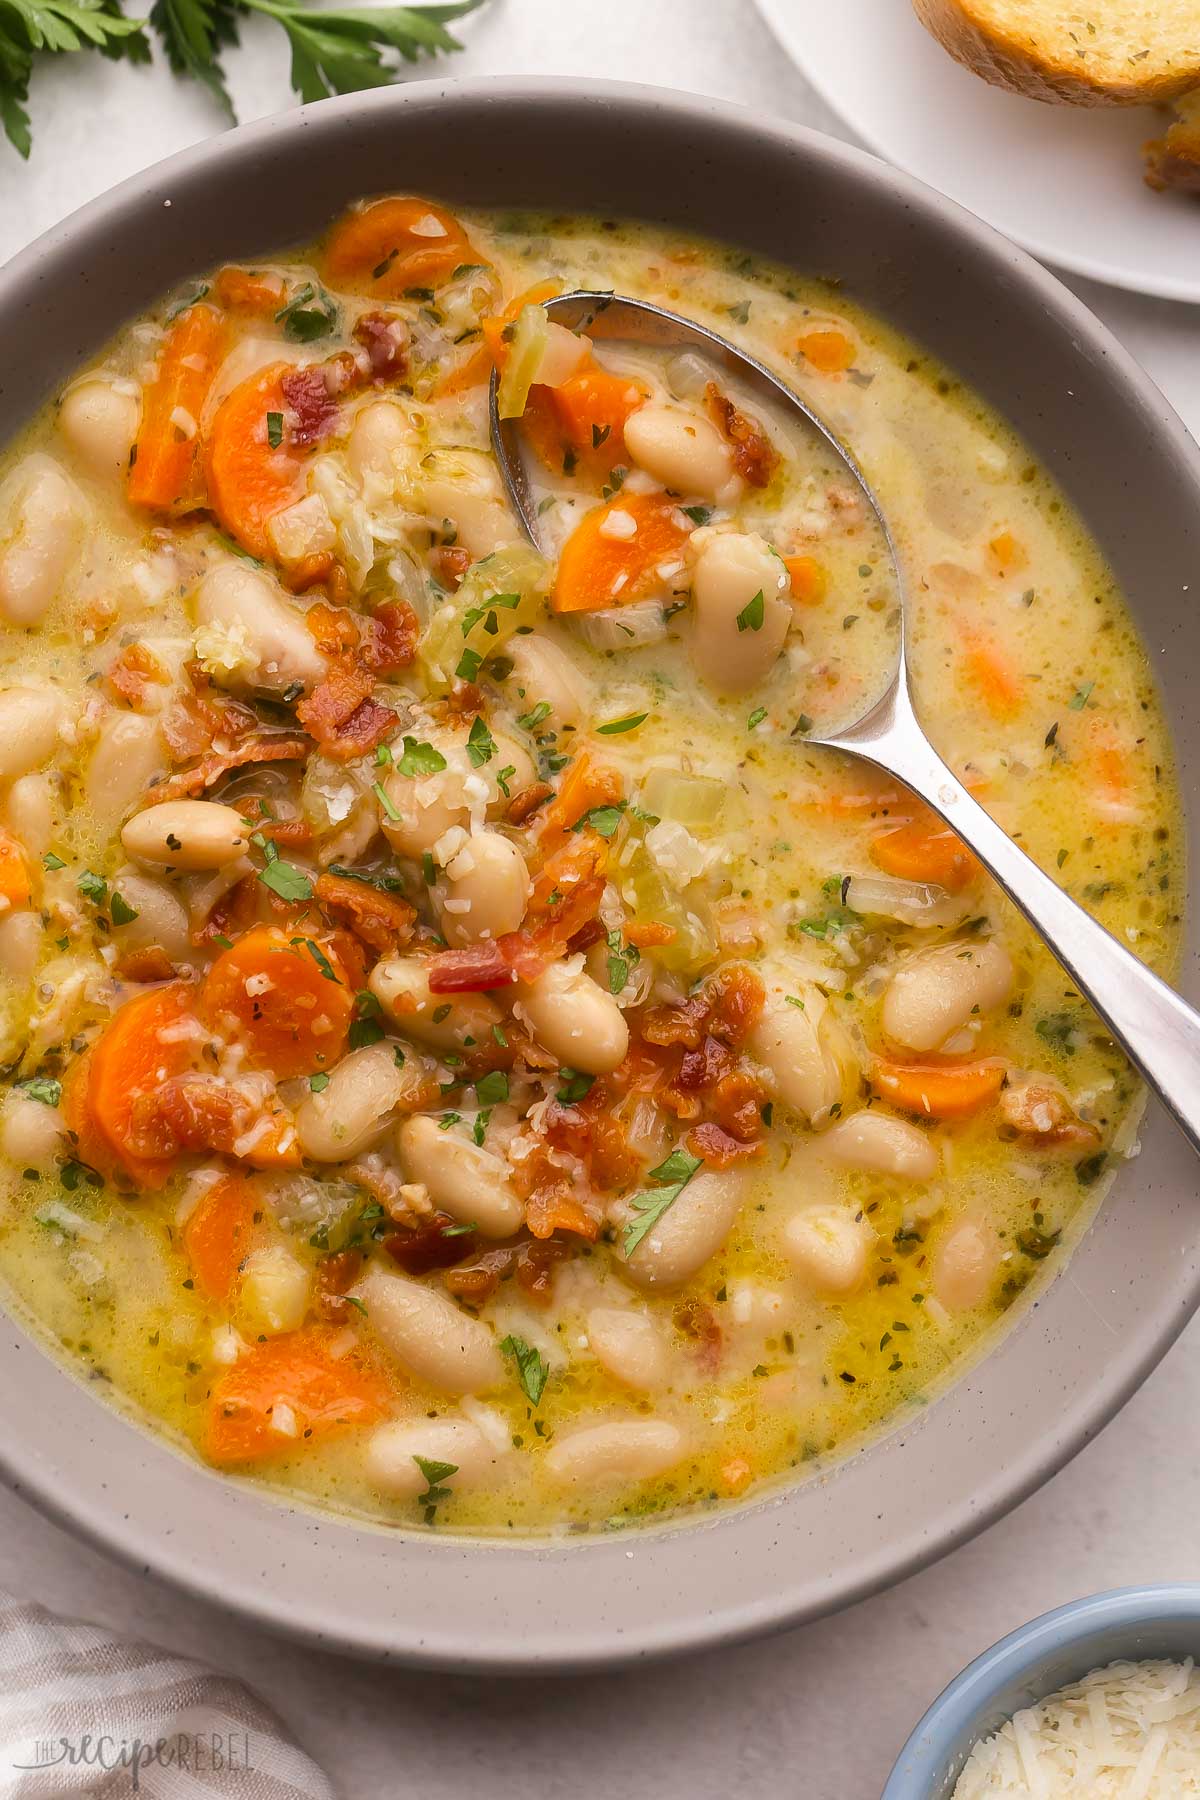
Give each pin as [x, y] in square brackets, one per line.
[302, 530]
[688, 799]
[531, 334]
[623, 627]
[919, 903]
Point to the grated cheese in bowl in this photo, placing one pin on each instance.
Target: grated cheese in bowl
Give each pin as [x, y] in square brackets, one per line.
[1129, 1731]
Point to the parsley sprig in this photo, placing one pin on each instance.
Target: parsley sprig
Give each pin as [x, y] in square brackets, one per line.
[335, 50]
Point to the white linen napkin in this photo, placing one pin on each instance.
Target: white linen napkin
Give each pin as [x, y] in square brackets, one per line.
[85, 1712]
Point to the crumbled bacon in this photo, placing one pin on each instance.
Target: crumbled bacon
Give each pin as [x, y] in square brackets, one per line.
[736, 1102]
[233, 913]
[754, 455]
[136, 669]
[149, 964]
[384, 337]
[200, 1112]
[450, 564]
[525, 803]
[198, 719]
[312, 395]
[342, 717]
[725, 1008]
[547, 1213]
[471, 970]
[383, 921]
[336, 1275]
[536, 1263]
[390, 637]
[211, 768]
[436, 1243]
[696, 1320]
[717, 1147]
[479, 1282]
[1037, 1109]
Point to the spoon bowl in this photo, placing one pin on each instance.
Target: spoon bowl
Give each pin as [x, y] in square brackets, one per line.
[1158, 1031]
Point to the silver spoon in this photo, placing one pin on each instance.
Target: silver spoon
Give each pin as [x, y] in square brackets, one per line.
[1158, 1031]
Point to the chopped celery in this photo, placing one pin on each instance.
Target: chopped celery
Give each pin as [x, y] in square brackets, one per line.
[499, 595]
[531, 334]
[655, 901]
[690, 800]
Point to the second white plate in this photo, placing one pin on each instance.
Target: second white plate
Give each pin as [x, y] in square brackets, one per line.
[1064, 181]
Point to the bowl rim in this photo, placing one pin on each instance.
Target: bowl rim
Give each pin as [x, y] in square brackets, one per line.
[44, 1466]
[944, 1726]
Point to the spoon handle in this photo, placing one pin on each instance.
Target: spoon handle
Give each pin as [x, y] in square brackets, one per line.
[1158, 1031]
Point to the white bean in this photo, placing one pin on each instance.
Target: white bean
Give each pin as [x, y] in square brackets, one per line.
[100, 424]
[390, 1456]
[355, 1108]
[27, 811]
[964, 1265]
[573, 1018]
[273, 1297]
[20, 945]
[30, 1132]
[935, 992]
[544, 674]
[161, 922]
[693, 1229]
[443, 1021]
[431, 1336]
[422, 808]
[886, 1145]
[682, 450]
[828, 1246]
[380, 447]
[462, 486]
[622, 1450]
[130, 753]
[799, 1038]
[463, 1179]
[186, 834]
[251, 637]
[732, 570]
[29, 724]
[484, 890]
[43, 517]
[629, 1344]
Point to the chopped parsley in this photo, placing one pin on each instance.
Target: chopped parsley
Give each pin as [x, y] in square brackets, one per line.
[419, 759]
[533, 1371]
[274, 429]
[752, 614]
[492, 1088]
[41, 1087]
[481, 745]
[616, 726]
[652, 1203]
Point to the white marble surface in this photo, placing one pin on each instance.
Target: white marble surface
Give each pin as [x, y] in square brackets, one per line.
[819, 1712]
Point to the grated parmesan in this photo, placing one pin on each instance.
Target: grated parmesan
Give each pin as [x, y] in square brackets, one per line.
[1129, 1731]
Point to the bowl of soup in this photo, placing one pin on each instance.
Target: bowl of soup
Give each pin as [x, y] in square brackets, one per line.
[503, 1135]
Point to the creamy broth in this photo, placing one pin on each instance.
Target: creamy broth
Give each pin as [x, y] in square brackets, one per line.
[522, 1084]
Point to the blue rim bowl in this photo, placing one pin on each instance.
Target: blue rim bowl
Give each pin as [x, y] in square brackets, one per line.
[1133, 1624]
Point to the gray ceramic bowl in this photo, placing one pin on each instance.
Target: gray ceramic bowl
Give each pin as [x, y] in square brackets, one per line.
[1088, 413]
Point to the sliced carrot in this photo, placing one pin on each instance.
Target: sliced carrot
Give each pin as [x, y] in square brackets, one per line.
[471, 372]
[286, 1392]
[991, 672]
[925, 850]
[585, 785]
[394, 245]
[169, 435]
[285, 996]
[829, 352]
[596, 569]
[249, 481]
[217, 1235]
[143, 1046]
[1007, 555]
[939, 1090]
[496, 325]
[16, 882]
[249, 291]
[579, 426]
[808, 578]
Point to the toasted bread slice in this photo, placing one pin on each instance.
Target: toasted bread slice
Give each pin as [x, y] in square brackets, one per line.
[1173, 161]
[1099, 53]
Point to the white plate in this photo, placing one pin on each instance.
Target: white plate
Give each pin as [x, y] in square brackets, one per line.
[1064, 181]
